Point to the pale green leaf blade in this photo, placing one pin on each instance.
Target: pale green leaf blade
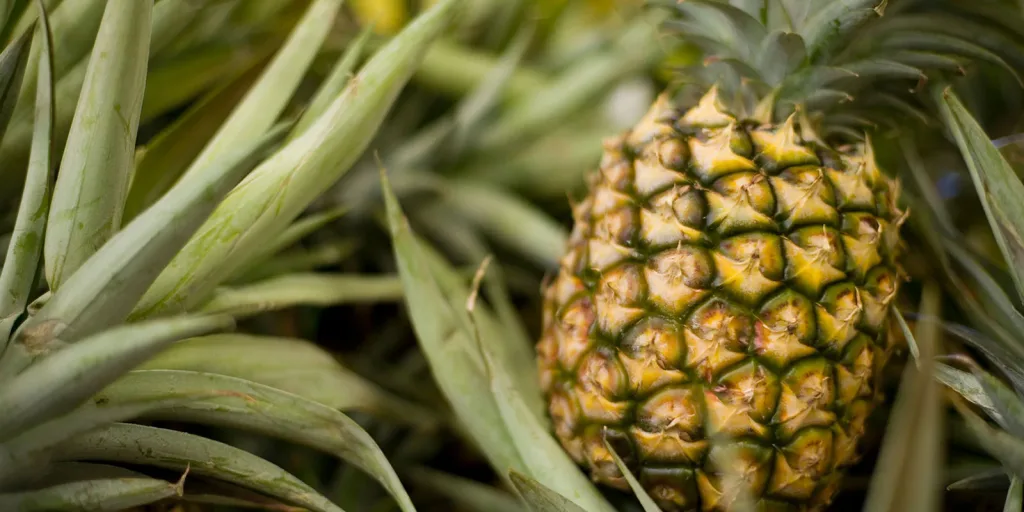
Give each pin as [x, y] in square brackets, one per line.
[107, 494]
[66, 377]
[540, 498]
[13, 63]
[834, 21]
[165, 158]
[171, 18]
[286, 184]
[510, 220]
[308, 289]
[110, 282]
[169, 449]
[299, 260]
[967, 385]
[34, 446]
[907, 475]
[998, 187]
[1001, 445]
[88, 197]
[471, 494]
[543, 457]
[335, 82]
[21, 264]
[299, 229]
[446, 342]
[645, 499]
[293, 365]
[1015, 496]
[238, 403]
[74, 25]
[270, 94]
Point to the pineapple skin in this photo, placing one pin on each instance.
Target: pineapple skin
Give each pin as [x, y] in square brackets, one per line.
[722, 313]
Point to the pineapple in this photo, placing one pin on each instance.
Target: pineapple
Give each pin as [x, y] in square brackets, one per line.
[721, 316]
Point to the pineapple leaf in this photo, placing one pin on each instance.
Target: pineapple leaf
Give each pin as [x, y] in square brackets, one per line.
[307, 289]
[170, 19]
[519, 358]
[299, 229]
[169, 449]
[881, 68]
[292, 365]
[1008, 405]
[13, 62]
[298, 260]
[471, 494]
[92, 494]
[982, 479]
[998, 187]
[645, 499]
[542, 456]
[114, 278]
[509, 220]
[540, 498]
[1001, 445]
[243, 404]
[21, 266]
[832, 22]
[334, 84]
[74, 25]
[781, 53]
[442, 331]
[967, 386]
[907, 474]
[67, 376]
[162, 162]
[1014, 496]
[282, 187]
[35, 446]
[88, 197]
[926, 41]
[267, 98]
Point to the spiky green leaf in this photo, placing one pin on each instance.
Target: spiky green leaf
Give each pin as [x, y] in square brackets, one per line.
[996, 184]
[68, 376]
[104, 494]
[169, 449]
[540, 498]
[88, 197]
[243, 404]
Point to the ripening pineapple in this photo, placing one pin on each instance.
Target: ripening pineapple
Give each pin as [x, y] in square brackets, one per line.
[722, 313]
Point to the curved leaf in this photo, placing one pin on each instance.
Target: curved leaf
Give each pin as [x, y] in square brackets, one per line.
[238, 403]
[169, 449]
[113, 494]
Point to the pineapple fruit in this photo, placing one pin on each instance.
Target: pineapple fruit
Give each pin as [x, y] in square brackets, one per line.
[721, 316]
[723, 280]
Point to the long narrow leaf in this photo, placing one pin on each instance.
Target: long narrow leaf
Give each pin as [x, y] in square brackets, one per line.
[169, 449]
[13, 62]
[303, 290]
[88, 197]
[445, 339]
[292, 365]
[110, 282]
[70, 375]
[113, 494]
[270, 94]
[998, 187]
[23, 254]
[279, 190]
[540, 498]
[243, 404]
[335, 82]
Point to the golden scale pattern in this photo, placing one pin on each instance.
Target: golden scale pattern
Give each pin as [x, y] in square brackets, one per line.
[724, 299]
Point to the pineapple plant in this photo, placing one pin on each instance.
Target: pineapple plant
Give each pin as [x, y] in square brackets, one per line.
[722, 315]
[132, 258]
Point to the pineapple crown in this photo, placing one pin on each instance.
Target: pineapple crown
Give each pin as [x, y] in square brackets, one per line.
[844, 66]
